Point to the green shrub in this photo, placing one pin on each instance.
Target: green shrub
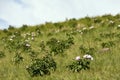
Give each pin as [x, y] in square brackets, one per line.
[79, 65]
[59, 46]
[17, 58]
[85, 50]
[41, 66]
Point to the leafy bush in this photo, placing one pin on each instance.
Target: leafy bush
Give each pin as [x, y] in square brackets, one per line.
[5, 30]
[59, 46]
[11, 27]
[17, 58]
[42, 46]
[24, 27]
[32, 53]
[85, 50]
[41, 66]
[79, 65]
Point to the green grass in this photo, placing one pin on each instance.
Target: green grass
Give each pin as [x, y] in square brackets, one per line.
[105, 66]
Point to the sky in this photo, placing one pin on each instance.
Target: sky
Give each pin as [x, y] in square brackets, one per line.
[33, 12]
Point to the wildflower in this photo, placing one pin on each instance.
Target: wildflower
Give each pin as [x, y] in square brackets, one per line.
[13, 36]
[77, 58]
[27, 67]
[33, 34]
[27, 45]
[119, 26]
[87, 56]
[57, 31]
[91, 27]
[79, 31]
[24, 35]
[28, 34]
[111, 22]
[32, 38]
[58, 41]
[11, 39]
[26, 40]
[84, 28]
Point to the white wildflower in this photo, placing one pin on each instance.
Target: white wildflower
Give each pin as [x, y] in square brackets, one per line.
[58, 41]
[57, 31]
[24, 35]
[79, 31]
[77, 58]
[26, 40]
[32, 38]
[84, 28]
[87, 56]
[28, 34]
[33, 34]
[111, 21]
[27, 45]
[11, 39]
[119, 26]
[91, 27]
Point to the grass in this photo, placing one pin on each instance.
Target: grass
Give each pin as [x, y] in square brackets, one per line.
[105, 66]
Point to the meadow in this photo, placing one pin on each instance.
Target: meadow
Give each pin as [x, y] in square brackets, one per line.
[59, 51]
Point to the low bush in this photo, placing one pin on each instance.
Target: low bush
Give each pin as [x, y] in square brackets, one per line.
[41, 66]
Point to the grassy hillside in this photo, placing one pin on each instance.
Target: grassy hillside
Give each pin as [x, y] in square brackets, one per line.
[48, 51]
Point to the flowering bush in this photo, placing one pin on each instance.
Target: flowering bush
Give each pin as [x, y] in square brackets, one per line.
[41, 66]
[80, 63]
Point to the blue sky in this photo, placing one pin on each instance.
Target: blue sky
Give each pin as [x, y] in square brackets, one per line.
[32, 12]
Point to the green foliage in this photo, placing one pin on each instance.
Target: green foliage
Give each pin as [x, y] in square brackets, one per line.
[85, 50]
[17, 58]
[41, 66]
[2, 54]
[78, 65]
[72, 23]
[59, 46]
[42, 46]
[24, 27]
[11, 27]
[60, 26]
[5, 30]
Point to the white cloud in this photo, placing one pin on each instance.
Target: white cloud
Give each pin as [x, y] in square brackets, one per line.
[18, 12]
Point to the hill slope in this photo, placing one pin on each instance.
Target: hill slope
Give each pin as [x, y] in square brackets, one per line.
[29, 52]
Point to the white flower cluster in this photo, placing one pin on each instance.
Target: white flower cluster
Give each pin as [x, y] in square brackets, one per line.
[91, 27]
[119, 26]
[12, 37]
[84, 28]
[77, 58]
[87, 56]
[27, 45]
[111, 22]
